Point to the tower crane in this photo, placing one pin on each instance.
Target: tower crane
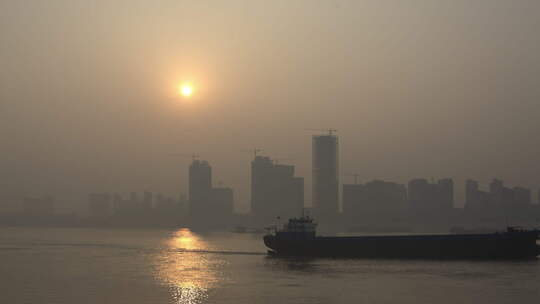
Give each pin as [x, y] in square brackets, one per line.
[194, 156]
[254, 150]
[329, 130]
[356, 175]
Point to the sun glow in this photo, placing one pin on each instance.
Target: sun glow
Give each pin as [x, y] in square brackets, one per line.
[186, 89]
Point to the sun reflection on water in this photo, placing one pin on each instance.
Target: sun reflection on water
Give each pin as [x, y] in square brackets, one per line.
[187, 240]
[186, 267]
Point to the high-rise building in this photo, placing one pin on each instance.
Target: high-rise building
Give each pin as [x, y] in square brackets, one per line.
[39, 206]
[134, 198]
[499, 202]
[471, 189]
[376, 200]
[325, 177]
[209, 207]
[352, 194]
[420, 194]
[117, 202]
[222, 202]
[200, 186]
[275, 191]
[148, 201]
[100, 205]
[497, 191]
[431, 197]
[502, 197]
[446, 194]
[522, 196]
[262, 185]
[297, 196]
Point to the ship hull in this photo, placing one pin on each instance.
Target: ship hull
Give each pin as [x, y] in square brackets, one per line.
[481, 246]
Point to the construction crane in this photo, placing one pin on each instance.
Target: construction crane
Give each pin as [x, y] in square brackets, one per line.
[330, 130]
[277, 160]
[194, 156]
[254, 150]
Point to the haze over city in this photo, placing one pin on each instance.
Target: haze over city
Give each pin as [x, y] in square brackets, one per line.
[284, 151]
[416, 89]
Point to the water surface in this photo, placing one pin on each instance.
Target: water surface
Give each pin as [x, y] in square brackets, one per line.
[47, 265]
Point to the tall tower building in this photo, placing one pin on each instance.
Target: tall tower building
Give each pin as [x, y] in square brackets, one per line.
[446, 194]
[200, 187]
[325, 176]
[432, 198]
[262, 189]
[472, 198]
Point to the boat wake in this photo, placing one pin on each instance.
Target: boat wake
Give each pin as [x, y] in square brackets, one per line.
[224, 252]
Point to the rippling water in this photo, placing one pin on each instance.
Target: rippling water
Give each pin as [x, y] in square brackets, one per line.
[158, 266]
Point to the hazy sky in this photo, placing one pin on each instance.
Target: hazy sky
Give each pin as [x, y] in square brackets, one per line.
[88, 90]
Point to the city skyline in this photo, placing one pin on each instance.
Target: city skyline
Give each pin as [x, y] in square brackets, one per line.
[458, 197]
[415, 90]
[255, 151]
[277, 193]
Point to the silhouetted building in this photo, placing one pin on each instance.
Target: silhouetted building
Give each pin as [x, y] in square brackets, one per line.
[500, 194]
[503, 198]
[167, 210]
[476, 201]
[499, 203]
[375, 201]
[126, 206]
[38, 206]
[100, 205]
[147, 202]
[275, 191]
[200, 185]
[433, 198]
[208, 207]
[160, 199]
[325, 177]
[134, 198]
[421, 194]
[222, 205]
[262, 185]
[522, 196]
[352, 196]
[471, 190]
[117, 202]
[446, 194]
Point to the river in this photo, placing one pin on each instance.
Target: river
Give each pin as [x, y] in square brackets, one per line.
[65, 265]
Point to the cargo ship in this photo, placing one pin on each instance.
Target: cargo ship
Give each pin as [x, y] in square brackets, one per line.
[298, 238]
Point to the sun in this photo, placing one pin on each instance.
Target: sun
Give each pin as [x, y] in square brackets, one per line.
[186, 89]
